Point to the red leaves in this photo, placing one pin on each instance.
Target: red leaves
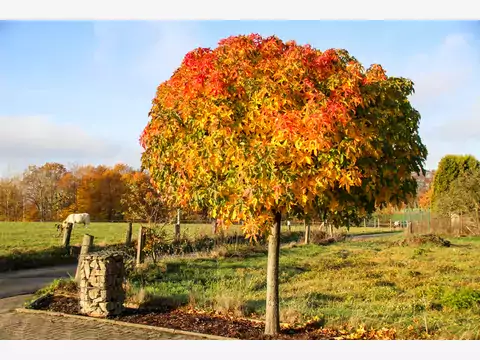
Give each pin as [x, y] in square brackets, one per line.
[280, 108]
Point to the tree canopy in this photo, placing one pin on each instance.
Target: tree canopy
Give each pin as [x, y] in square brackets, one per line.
[449, 169]
[258, 126]
[463, 195]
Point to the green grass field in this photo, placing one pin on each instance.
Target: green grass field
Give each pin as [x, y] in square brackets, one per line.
[422, 291]
[37, 236]
[34, 244]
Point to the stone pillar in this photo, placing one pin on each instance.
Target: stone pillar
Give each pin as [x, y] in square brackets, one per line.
[101, 284]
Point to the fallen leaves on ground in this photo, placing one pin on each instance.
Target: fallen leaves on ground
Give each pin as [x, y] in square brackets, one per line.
[200, 321]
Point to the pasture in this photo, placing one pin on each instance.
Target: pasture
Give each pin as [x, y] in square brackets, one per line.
[38, 236]
[35, 244]
[422, 291]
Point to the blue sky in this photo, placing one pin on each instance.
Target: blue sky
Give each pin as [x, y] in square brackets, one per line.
[80, 92]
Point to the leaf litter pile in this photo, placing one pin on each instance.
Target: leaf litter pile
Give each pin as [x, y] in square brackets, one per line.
[424, 239]
[188, 319]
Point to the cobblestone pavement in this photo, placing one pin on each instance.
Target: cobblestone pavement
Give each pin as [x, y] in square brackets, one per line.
[20, 326]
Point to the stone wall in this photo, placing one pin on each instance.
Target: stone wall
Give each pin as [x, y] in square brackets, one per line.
[102, 275]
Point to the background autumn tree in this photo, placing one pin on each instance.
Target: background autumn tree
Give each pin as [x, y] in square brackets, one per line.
[141, 200]
[67, 192]
[425, 200]
[40, 189]
[100, 191]
[51, 192]
[258, 128]
[11, 200]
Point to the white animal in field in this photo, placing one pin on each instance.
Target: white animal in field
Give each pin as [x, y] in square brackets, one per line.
[77, 219]
[396, 224]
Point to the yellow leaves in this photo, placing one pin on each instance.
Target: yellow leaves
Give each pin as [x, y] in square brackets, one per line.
[274, 138]
[304, 199]
[298, 144]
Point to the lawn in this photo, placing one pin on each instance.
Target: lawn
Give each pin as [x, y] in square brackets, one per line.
[423, 291]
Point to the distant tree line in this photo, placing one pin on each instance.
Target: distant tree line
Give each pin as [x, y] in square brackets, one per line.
[50, 192]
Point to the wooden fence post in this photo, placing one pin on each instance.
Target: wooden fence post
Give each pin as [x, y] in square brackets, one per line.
[177, 226]
[66, 235]
[390, 224]
[140, 245]
[364, 222]
[128, 236]
[307, 231]
[214, 228]
[410, 228]
[87, 244]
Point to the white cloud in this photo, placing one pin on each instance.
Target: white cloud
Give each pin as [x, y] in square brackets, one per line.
[28, 140]
[444, 70]
[466, 128]
[447, 94]
[456, 136]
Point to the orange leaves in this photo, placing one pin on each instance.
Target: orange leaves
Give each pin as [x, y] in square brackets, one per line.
[425, 200]
[257, 125]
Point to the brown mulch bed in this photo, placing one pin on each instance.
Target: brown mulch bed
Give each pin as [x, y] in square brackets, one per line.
[190, 320]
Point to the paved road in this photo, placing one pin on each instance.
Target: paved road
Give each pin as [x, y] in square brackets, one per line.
[28, 281]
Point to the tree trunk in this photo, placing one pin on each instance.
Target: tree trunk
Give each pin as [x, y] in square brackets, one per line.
[272, 321]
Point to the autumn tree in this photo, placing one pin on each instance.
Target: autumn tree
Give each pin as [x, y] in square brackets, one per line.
[141, 200]
[40, 185]
[100, 191]
[258, 128]
[449, 169]
[67, 193]
[11, 200]
[425, 200]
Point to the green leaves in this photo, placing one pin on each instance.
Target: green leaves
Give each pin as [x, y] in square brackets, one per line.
[229, 127]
